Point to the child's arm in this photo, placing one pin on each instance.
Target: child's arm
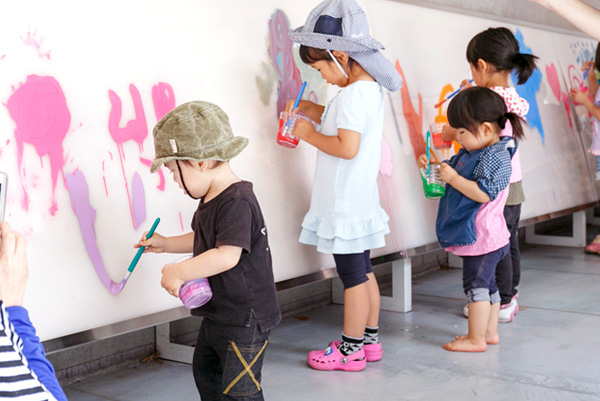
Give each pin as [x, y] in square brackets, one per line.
[468, 188]
[159, 244]
[344, 145]
[448, 133]
[310, 109]
[577, 12]
[584, 99]
[209, 263]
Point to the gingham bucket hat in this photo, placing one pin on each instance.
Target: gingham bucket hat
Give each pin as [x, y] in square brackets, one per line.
[196, 131]
[342, 25]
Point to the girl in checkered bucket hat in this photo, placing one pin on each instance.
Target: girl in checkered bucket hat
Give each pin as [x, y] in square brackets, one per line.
[345, 218]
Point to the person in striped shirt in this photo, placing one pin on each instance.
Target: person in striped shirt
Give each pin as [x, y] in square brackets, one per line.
[25, 373]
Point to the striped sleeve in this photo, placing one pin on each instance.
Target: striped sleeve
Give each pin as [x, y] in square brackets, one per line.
[17, 380]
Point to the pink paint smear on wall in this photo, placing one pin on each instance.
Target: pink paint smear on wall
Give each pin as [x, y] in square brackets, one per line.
[554, 82]
[40, 111]
[135, 129]
[163, 98]
[282, 59]
[86, 214]
[161, 175]
[35, 42]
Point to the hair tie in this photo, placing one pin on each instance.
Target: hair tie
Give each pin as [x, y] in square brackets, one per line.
[516, 58]
[502, 120]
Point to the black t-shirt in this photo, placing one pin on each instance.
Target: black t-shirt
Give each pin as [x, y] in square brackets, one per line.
[234, 218]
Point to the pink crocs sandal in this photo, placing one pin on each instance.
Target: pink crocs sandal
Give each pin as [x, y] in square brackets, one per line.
[373, 352]
[332, 359]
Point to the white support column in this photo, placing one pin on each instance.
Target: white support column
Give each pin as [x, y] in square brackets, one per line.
[401, 299]
[577, 240]
[171, 351]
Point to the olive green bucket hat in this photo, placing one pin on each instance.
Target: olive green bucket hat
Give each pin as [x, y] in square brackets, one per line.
[195, 131]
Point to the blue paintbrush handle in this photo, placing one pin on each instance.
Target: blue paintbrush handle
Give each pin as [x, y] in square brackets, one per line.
[585, 74]
[451, 95]
[458, 90]
[297, 100]
[138, 255]
[299, 95]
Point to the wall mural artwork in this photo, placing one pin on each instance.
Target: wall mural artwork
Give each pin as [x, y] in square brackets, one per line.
[42, 118]
[78, 110]
[529, 89]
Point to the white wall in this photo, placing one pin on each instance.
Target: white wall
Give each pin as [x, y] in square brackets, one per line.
[217, 51]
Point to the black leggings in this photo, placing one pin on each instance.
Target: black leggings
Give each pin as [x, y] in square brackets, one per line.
[353, 268]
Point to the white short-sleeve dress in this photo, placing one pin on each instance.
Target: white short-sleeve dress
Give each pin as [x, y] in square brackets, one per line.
[345, 215]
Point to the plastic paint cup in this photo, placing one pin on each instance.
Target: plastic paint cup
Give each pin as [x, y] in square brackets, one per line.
[195, 293]
[284, 132]
[433, 186]
[436, 136]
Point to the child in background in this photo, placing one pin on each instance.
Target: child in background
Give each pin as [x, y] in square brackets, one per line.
[493, 55]
[229, 242]
[345, 218]
[25, 372]
[470, 222]
[593, 107]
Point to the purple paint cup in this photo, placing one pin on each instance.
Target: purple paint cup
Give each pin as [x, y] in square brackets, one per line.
[194, 293]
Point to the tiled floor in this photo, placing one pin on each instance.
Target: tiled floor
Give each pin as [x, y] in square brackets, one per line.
[551, 351]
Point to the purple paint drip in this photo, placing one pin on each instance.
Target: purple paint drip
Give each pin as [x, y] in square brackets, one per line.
[86, 214]
[138, 198]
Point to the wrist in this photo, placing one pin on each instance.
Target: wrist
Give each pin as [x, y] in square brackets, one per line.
[452, 180]
[13, 299]
[180, 270]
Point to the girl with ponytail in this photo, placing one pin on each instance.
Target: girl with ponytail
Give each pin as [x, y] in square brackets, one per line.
[470, 221]
[493, 56]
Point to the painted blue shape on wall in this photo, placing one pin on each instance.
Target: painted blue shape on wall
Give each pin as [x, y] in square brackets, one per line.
[529, 89]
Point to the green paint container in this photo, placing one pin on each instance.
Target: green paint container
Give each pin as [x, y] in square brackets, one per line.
[433, 186]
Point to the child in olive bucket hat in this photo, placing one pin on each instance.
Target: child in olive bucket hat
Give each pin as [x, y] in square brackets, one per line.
[345, 218]
[230, 247]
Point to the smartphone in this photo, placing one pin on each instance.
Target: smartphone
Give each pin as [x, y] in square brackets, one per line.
[3, 182]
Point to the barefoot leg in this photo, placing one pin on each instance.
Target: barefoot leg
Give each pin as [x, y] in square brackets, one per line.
[474, 341]
[491, 336]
